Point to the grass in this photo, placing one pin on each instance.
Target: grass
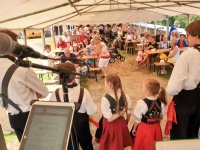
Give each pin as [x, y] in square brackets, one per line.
[10, 137]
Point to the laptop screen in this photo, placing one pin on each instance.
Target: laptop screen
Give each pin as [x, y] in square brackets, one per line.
[48, 126]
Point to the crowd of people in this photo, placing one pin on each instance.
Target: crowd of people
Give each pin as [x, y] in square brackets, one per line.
[19, 86]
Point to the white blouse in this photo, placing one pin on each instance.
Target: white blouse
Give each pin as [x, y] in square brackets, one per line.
[186, 72]
[141, 108]
[105, 106]
[87, 106]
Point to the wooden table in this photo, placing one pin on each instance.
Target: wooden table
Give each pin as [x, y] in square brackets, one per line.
[157, 51]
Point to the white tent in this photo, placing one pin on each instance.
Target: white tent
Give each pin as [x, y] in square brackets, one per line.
[38, 14]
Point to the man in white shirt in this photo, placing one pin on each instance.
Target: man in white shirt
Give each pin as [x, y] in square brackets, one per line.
[23, 87]
[184, 85]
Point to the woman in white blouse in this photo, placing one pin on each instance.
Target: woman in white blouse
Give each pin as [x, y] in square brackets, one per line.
[184, 85]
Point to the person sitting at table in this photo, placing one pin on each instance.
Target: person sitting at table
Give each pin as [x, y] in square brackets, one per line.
[159, 36]
[173, 55]
[48, 53]
[174, 36]
[75, 49]
[165, 44]
[70, 57]
[129, 36]
[152, 43]
[61, 44]
[182, 42]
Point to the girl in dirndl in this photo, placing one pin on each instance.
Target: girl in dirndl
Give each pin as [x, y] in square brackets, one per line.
[148, 113]
[114, 105]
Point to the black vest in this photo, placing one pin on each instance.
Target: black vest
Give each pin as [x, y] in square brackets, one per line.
[113, 103]
[152, 116]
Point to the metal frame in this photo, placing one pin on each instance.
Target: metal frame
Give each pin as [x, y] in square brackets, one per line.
[89, 7]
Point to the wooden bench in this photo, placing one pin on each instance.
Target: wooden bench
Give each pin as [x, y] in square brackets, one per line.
[158, 65]
[96, 71]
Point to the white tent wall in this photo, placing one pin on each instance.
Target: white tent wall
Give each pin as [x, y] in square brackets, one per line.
[20, 14]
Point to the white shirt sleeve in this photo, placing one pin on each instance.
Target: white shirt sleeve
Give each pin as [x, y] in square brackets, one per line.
[163, 109]
[128, 104]
[32, 81]
[90, 106]
[140, 109]
[178, 76]
[105, 108]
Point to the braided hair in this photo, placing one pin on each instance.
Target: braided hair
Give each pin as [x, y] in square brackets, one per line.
[115, 81]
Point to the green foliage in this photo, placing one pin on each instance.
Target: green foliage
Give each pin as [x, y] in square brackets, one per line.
[181, 19]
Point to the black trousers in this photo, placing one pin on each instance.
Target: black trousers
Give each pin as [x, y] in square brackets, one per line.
[18, 123]
[80, 133]
[188, 114]
[100, 129]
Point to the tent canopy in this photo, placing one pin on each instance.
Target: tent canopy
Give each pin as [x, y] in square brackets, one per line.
[37, 14]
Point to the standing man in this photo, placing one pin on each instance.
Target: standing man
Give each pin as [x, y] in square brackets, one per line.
[20, 89]
[174, 27]
[184, 85]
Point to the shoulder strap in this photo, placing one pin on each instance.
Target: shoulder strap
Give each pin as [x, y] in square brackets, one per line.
[111, 101]
[57, 95]
[80, 99]
[4, 88]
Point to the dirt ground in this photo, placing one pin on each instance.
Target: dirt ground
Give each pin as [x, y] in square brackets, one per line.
[132, 84]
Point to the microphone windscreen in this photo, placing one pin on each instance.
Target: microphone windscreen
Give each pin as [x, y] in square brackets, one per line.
[7, 45]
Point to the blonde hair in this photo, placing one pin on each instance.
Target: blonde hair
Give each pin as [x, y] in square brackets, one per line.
[176, 22]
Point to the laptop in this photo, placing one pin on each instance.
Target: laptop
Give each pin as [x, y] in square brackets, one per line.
[2, 140]
[48, 126]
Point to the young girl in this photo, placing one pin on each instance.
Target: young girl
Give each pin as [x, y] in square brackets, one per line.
[114, 105]
[148, 113]
[139, 57]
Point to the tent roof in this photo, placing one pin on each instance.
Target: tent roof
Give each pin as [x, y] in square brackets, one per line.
[20, 14]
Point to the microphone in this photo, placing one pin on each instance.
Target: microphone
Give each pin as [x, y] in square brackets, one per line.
[23, 51]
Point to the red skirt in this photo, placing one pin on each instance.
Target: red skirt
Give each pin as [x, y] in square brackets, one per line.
[115, 135]
[146, 135]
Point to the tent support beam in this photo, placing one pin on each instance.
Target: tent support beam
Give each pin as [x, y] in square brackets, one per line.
[167, 26]
[83, 9]
[71, 3]
[188, 19]
[143, 2]
[37, 12]
[43, 38]
[53, 36]
[25, 38]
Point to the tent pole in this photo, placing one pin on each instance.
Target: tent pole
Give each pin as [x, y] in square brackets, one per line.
[53, 37]
[167, 25]
[25, 39]
[154, 28]
[188, 19]
[43, 38]
[146, 27]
